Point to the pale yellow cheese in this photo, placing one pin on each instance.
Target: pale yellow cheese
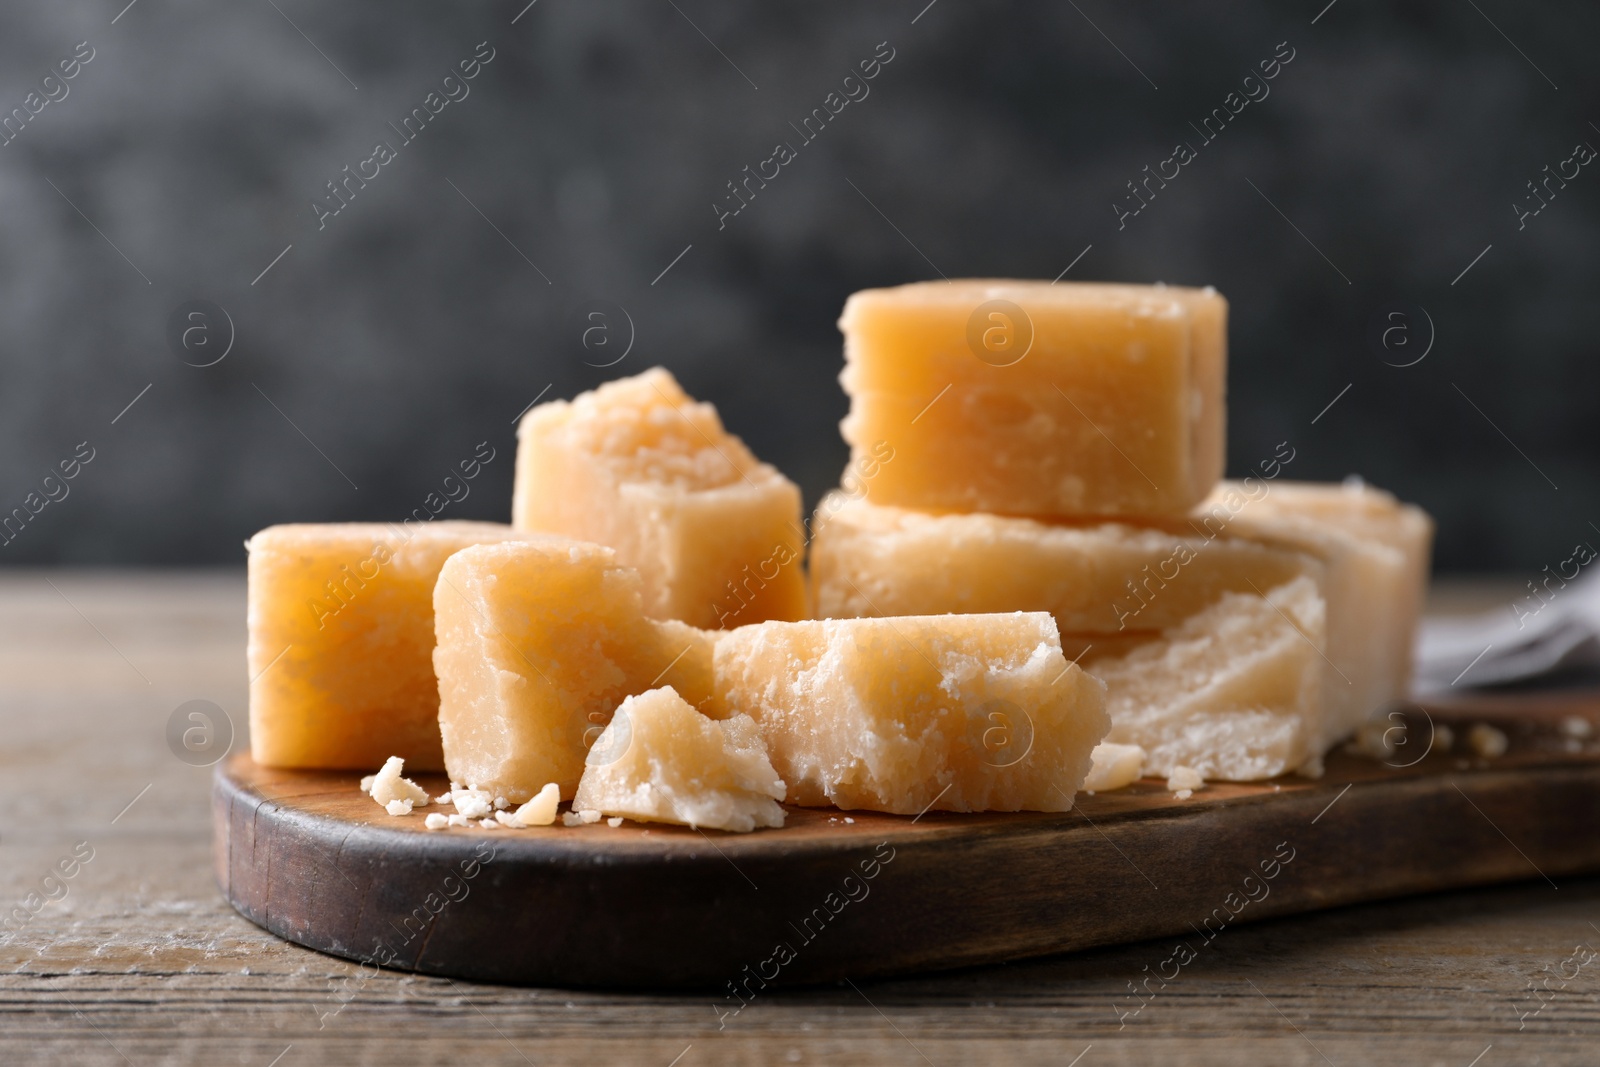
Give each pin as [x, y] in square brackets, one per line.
[660, 760]
[641, 467]
[1113, 766]
[1035, 399]
[1105, 584]
[538, 642]
[960, 713]
[1234, 692]
[1375, 551]
[341, 640]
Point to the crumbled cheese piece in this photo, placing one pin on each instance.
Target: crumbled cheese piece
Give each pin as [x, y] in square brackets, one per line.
[442, 798]
[398, 807]
[488, 824]
[570, 818]
[1112, 766]
[366, 783]
[848, 819]
[473, 803]
[1576, 726]
[1183, 794]
[588, 815]
[614, 821]
[507, 818]
[501, 803]
[387, 785]
[459, 820]
[1487, 741]
[541, 810]
[1185, 779]
[436, 821]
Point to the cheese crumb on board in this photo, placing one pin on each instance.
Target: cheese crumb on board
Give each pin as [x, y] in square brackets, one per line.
[436, 821]
[387, 786]
[340, 620]
[1576, 726]
[1033, 398]
[640, 466]
[1183, 794]
[489, 824]
[1185, 779]
[473, 803]
[539, 641]
[1234, 692]
[366, 783]
[459, 820]
[398, 807]
[1487, 741]
[614, 821]
[956, 712]
[660, 760]
[1113, 766]
[541, 810]
[587, 817]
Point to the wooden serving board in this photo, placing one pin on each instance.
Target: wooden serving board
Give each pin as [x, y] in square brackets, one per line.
[835, 894]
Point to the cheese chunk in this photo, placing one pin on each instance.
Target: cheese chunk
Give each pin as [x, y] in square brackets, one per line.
[1028, 398]
[1113, 766]
[1375, 553]
[341, 640]
[1234, 692]
[1110, 579]
[538, 642]
[960, 713]
[641, 467]
[660, 760]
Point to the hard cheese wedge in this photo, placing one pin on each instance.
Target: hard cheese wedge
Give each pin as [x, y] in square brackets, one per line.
[960, 713]
[1234, 692]
[538, 642]
[1096, 580]
[1375, 553]
[341, 640]
[1035, 399]
[660, 760]
[641, 467]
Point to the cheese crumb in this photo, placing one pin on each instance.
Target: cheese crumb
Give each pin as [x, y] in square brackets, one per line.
[366, 783]
[506, 818]
[458, 820]
[1576, 726]
[436, 821]
[1487, 741]
[1183, 794]
[442, 798]
[388, 786]
[614, 821]
[848, 819]
[501, 803]
[584, 817]
[541, 810]
[488, 824]
[473, 803]
[1185, 780]
[1114, 766]
[398, 807]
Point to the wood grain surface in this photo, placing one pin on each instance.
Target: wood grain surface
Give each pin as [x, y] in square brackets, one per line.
[142, 961]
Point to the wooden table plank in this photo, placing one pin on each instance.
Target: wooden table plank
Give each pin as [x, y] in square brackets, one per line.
[142, 962]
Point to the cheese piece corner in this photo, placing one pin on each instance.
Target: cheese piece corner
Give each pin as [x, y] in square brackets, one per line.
[660, 760]
[1031, 398]
[640, 466]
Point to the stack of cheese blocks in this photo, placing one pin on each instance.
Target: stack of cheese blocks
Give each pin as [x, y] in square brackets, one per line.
[1031, 581]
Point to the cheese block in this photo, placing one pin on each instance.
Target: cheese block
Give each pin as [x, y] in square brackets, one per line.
[1029, 398]
[341, 640]
[639, 466]
[1105, 584]
[954, 712]
[538, 642]
[660, 760]
[1375, 553]
[1234, 692]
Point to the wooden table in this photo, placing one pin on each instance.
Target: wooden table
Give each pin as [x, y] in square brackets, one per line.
[141, 961]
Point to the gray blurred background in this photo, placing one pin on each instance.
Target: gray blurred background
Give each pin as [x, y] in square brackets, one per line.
[587, 155]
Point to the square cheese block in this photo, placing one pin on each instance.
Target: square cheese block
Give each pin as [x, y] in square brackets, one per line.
[956, 712]
[1375, 551]
[341, 640]
[1234, 692]
[1099, 581]
[1028, 398]
[660, 760]
[640, 466]
[538, 643]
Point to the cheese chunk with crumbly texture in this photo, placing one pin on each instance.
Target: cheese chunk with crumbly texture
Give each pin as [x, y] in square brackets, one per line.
[957, 712]
[538, 642]
[1028, 398]
[1234, 692]
[1113, 766]
[341, 640]
[660, 760]
[1375, 552]
[1103, 579]
[641, 467]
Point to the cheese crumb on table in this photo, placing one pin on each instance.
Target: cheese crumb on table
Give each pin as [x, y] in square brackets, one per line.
[1113, 766]
[459, 820]
[614, 821]
[541, 810]
[954, 712]
[473, 803]
[436, 821]
[1487, 741]
[387, 786]
[1185, 779]
[1183, 794]
[398, 807]
[640, 466]
[660, 760]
